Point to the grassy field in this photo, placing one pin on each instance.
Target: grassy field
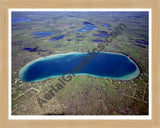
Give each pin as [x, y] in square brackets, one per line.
[84, 95]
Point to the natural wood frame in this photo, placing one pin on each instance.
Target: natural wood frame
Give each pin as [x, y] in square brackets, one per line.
[4, 7]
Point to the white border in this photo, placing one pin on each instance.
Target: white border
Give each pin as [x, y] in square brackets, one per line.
[104, 117]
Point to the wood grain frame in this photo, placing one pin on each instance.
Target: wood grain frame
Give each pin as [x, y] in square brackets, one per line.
[5, 5]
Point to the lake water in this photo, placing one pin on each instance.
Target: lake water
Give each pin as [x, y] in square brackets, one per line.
[102, 34]
[31, 49]
[97, 40]
[107, 25]
[80, 36]
[20, 19]
[69, 39]
[87, 27]
[42, 34]
[107, 65]
[142, 42]
[57, 38]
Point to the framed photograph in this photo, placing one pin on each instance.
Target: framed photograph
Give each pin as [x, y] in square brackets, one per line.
[64, 64]
[79, 66]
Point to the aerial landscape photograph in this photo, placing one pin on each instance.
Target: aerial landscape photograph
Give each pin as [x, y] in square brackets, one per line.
[79, 63]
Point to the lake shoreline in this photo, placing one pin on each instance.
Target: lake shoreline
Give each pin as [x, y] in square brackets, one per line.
[136, 73]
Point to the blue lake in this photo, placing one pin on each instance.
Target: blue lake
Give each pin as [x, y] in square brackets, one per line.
[102, 34]
[31, 49]
[142, 42]
[42, 34]
[107, 65]
[69, 39]
[80, 36]
[20, 19]
[87, 27]
[107, 25]
[57, 38]
[97, 40]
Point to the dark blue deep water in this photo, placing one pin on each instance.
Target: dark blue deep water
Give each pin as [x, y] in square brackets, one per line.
[69, 39]
[20, 19]
[97, 40]
[42, 34]
[57, 38]
[102, 34]
[31, 49]
[106, 65]
[142, 42]
[87, 27]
